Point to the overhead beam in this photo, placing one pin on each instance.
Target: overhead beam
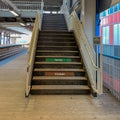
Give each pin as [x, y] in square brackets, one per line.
[11, 6]
[9, 30]
[10, 24]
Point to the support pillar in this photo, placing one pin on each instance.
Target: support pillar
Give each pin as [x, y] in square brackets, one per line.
[8, 38]
[0, 38]
[4, 38]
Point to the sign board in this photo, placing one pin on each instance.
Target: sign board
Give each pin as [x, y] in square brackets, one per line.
[97, 40]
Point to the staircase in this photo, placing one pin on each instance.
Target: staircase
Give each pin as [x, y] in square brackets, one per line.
[54, 22]
[58, 68]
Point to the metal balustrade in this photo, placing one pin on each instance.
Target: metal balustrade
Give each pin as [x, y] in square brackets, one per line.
[32, 48]
[87, 51]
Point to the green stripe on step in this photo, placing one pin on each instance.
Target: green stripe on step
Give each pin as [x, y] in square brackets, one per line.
[58, 60]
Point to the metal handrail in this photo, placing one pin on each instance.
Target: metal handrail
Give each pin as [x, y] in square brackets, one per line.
[32, 48]
[77, 3]
[78, 23]
[87, 51]
[31, 53]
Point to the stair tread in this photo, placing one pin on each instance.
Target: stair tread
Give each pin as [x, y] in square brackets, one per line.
[57, 46]
[54, 31]
[58, 38]
[57, 51]
[58, 78]
[60, 70]
[58, 56]
[58, 63]
[55, 42]
[57, 87]
[56, 34]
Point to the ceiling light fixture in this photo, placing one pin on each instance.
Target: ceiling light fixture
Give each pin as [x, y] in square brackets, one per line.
[14, 13]
[22, 24]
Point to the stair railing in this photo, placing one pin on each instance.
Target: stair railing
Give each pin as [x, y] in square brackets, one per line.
[31, 51]
[87, 51]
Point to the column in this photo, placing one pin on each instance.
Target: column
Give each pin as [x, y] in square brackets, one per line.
[0, 38]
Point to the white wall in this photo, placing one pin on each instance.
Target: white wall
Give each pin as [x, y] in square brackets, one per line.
[88, 18]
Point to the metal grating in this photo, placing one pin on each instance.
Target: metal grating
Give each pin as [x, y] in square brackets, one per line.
[111, 69]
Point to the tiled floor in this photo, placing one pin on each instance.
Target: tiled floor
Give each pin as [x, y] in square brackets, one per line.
[14, 106]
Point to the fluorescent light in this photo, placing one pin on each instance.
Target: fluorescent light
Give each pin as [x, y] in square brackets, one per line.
[14, 13]
[22, 24]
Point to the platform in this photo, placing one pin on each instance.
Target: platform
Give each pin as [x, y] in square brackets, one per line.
[14, 105]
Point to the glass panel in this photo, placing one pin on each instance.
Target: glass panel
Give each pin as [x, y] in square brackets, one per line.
[116, 34]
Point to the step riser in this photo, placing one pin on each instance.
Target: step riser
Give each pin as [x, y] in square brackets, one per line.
[60, 92]
[59, 20]
[57, 73]
[53, 23]
[56, 54]
[57, 66]
[57, 60]
[59, 82]
[54, 28]
[52, 40]
[56, 32]
[57, 48]
[56, 35]
[56, 44]
[57, 27]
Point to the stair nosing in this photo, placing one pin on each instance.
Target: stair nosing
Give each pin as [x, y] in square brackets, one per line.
[58, 56]
[57, 46]
[60, 87]
[78, 63]
[57, 51]
[60, 70]
[58, 78]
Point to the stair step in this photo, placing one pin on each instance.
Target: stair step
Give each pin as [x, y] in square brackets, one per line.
[57, 65]
[42, 46]
[57, 43]
[58, 56]
[52, 22]
[54, 29]
[60, 63]
[54, 32]
[60, 89]
[58, 48]
[55, 26]
[60, 70]
[58, 78]
[57, 51]
[59, 82]
[55, 38]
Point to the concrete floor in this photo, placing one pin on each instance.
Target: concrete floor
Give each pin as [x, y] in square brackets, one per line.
[14, 106]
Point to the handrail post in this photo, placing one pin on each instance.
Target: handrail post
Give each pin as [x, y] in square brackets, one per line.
[42, 6]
